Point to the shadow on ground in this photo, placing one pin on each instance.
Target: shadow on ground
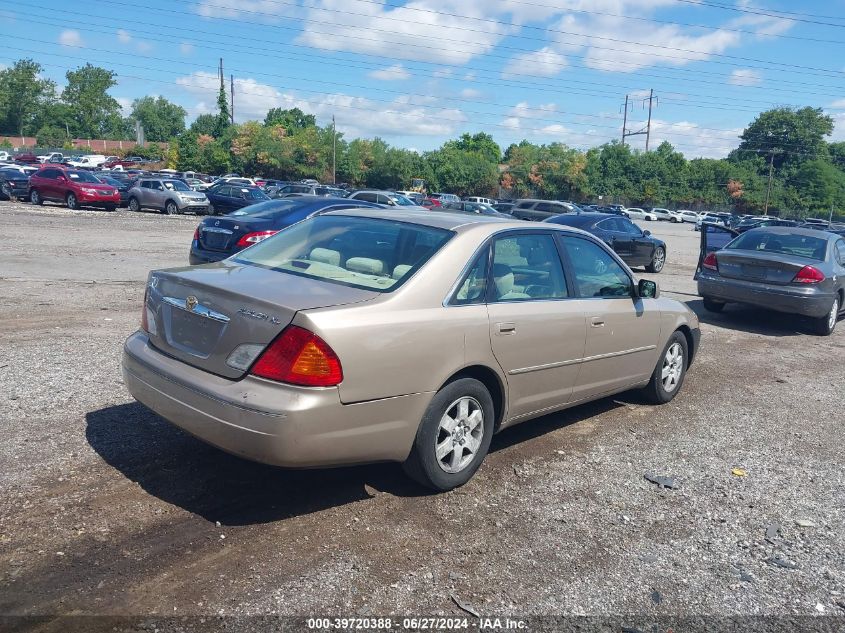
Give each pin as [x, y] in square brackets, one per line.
[180, 469]
[753, 320]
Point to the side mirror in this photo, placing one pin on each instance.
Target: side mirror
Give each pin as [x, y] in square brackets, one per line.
[62, 178]
[646, 232]
[648, 289]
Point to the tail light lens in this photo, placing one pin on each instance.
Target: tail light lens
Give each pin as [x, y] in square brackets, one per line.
[144, 323]
[710, 262]
[809, 275]
[253, 238]
[197, 233]
[299, 357]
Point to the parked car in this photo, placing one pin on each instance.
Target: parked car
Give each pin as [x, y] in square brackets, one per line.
[635, 246]
[688, 216]
[787, 269]
[76, 188]
[444, 197]
[291, 189]
[381, 335]
[487, 201]
[532, 209]
[712, 218]
[747, 225]
[665, 215]
[27, 158]
[503, 207]
[472, 207]
[431, 203]
[5, 156]
[224, 198]
[635, 213]
[14, 184]
[91, 161]
[166, 195]
[219, 238]
[387, 198]
[123, 185]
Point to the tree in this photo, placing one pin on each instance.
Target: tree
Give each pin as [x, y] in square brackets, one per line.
[292, 119]
[820, 184]
[481, 143]
[22, 95]
[87, 96]
[162, 119]
[787, 135]
[222, 109]
[204, 124]
[51, 136]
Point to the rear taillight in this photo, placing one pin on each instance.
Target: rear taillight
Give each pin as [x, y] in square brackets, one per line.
[253, 238]
[299, 357]
[144, 324]
[809, 275]
[710, 262]
[197, 233]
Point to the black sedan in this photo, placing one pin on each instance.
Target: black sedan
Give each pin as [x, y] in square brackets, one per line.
[14, 184]
[122, 184]
[635, 246]
[747, 225]
[219, 238]
[225, 197]
[792, 270]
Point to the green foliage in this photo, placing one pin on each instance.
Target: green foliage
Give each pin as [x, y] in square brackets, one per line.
[204, 124]
[222, 110]
[51, 136]
[150, 152]
[91, 106]
[162, 119]
[292, 120]
[787, 135]
[22, 95]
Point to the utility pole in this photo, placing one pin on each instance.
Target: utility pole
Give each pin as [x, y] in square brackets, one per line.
[769, 188]
[647, 129]
[625, 120]
[232, 98]
[334, 152]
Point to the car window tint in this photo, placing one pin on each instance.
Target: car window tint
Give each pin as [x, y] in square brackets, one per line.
[473, 287]
[527, 267]
[596, 273]
[781, 243]
[629, 227]
[840, 252]
[367, 197]
[526, 204]
[608, 225]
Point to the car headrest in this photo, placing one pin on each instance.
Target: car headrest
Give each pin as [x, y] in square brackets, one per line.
[365, 265]
[401, 270]
[503, 278]
[325, 256]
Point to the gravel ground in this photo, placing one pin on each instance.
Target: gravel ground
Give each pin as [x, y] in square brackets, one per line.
[107, 509]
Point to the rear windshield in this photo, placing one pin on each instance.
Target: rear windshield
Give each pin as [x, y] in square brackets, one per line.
[266, 208]
[782, 243]
[361, 252]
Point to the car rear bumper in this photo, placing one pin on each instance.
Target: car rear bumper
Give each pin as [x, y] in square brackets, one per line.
[269, 422]
[807, 301]
[200, 256]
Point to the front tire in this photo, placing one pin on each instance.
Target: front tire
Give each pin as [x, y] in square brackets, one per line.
[658, 261]
[453, 437]
[7, 192]
[72, 202]
[35, 197]
[134, 205]
[712, 306]
[824, 326]
[668, 376]
[170, 208]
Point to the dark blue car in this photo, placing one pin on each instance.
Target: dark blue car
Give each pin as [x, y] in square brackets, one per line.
[226, 197]
[635, 246]
[219, 238]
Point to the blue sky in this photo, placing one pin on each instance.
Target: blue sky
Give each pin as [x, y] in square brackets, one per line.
[417, 73]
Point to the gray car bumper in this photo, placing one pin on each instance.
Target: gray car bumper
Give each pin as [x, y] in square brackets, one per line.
[807, 301]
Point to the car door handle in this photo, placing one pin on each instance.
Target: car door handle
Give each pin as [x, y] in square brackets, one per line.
[506, 328]
[597, 322]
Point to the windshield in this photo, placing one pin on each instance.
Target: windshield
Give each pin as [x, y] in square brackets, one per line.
[781, 243]
[110, 181]
[402, 201]
[81, 176]
[361, 252]
[261, 208]
[176, 185]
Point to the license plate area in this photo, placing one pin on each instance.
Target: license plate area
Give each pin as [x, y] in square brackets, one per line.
[754, 272]
[191, 333]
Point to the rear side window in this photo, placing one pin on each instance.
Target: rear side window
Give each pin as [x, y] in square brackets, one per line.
[367, 253]
[781, 243]
[840, 252]
[367, 197]
[525, 204]
[596, 273]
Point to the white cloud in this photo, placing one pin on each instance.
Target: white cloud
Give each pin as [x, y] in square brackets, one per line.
[541, 63]
[691, 139]
[838, 126]
[745, 77]
[396, 72]
[185, 48]
[470, 93]
[356, 116]
[125, 105]
[123, 36]
[70, 37]
[216, 9]
[443, 73]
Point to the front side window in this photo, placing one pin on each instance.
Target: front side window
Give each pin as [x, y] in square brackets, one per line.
[629, 227]
[368, 253]
[527, 267]
[596, 273]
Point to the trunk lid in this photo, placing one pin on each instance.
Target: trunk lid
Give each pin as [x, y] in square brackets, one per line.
[201, 314]
[767, 268]
[223, 234]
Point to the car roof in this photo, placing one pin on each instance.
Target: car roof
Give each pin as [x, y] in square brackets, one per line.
[584, 218]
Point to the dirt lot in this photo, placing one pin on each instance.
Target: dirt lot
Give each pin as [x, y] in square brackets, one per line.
[107, 509]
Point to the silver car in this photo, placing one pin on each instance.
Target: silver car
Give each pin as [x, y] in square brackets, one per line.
[167, 196]
[388, 335]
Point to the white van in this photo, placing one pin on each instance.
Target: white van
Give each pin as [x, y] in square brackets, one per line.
[480, 200]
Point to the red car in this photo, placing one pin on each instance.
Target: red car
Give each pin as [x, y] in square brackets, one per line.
[429, 203]
[76, 188]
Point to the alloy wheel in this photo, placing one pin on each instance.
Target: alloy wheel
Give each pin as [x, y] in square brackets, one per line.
[658, 260]
[834, 313]
[459, 434]
[673, 367]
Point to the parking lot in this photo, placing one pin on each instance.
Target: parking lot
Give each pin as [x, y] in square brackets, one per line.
[105, 508]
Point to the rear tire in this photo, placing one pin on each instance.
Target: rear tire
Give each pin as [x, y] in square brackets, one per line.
[134, 205]
[35, 197]
[824, 326]
[712, 306]
[72, 202]
[453, 437]
[669, 373]
[658, 261]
